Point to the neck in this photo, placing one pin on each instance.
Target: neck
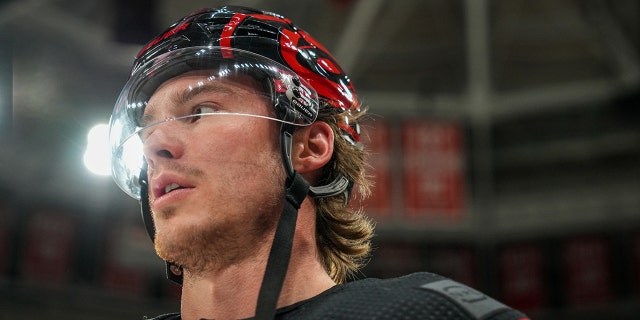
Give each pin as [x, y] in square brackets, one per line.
[231, 291]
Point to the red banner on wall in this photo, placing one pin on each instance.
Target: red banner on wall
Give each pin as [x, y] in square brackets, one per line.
[434, 174]
[522, 277]
[587, 271]
[48, 250]
[376, 137]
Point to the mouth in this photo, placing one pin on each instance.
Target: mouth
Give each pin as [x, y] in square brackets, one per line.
[172, 193]
[170, 187]
[167, 189]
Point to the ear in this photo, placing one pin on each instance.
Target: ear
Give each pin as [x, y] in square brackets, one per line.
[312, 147]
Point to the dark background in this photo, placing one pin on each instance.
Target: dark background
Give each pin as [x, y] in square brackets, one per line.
[506, 149]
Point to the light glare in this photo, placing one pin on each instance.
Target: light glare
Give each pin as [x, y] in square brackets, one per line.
[97, 156]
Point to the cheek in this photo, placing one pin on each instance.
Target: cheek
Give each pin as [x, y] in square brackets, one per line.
[243, 150]
[245, 138]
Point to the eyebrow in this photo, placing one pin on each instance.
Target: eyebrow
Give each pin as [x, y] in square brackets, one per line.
[181, 97]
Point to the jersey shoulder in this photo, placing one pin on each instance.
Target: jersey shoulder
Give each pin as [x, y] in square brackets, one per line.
[472, 302]
[416, 296]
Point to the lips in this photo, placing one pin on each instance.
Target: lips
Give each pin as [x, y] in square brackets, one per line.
[167, 188]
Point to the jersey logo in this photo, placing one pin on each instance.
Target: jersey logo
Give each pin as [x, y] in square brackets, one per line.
[476, 303]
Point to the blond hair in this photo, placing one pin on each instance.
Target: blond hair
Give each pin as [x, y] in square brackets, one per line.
[343, 234]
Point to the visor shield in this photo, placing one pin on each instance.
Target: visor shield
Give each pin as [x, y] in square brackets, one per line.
[203, 73]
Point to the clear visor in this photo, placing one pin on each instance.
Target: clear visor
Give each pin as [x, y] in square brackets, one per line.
[181, 87]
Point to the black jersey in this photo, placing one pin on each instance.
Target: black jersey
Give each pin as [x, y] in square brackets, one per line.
[416, 296]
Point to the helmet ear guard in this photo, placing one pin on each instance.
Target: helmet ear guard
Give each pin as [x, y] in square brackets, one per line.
[340, 185]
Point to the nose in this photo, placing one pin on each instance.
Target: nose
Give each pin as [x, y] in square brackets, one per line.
[162, 144]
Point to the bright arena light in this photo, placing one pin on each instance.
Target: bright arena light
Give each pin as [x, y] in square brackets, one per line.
[97, 156]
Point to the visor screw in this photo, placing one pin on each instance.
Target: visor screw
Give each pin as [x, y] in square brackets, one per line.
[296, 81]
[296, 92]
[175, 270]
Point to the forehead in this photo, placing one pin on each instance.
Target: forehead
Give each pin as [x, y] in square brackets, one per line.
[198, 85]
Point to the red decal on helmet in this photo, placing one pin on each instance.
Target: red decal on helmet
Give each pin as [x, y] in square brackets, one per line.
[279, 86]
[229, 29]
[329, 65]
[227, 33]
[176, 29]
[323, 73]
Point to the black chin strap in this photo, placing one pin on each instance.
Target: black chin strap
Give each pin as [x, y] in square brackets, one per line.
[280, 254]
[145, 208]
[297, 189]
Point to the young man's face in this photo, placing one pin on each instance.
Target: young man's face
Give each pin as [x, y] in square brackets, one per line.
[216, 181]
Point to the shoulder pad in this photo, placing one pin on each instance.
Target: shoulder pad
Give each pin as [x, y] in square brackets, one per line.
[474, 302]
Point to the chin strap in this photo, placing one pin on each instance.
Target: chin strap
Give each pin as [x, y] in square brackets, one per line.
[145, 208]
[297, 189]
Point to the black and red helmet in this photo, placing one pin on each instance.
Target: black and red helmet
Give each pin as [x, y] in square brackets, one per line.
[297, 72]
[264, 33]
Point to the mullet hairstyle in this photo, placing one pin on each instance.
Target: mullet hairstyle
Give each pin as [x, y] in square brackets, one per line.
[343, 232]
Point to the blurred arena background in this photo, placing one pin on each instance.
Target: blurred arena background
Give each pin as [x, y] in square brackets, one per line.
[505, 147]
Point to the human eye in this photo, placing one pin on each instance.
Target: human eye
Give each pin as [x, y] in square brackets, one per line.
[200, 110]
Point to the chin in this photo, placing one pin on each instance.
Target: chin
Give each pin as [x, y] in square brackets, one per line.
[189, 243]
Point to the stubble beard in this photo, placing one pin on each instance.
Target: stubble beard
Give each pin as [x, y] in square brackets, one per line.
[220, 242]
